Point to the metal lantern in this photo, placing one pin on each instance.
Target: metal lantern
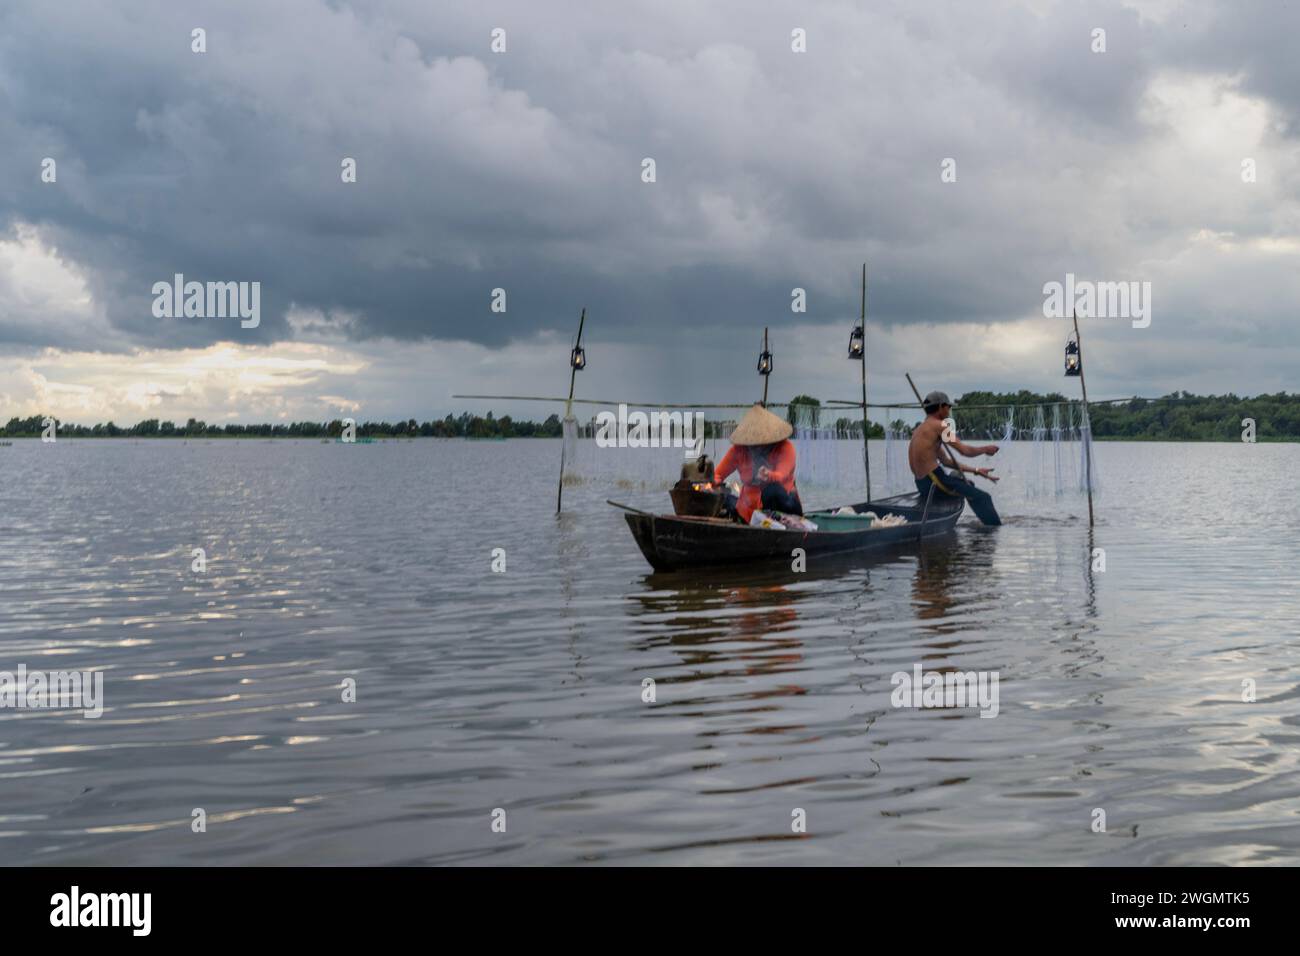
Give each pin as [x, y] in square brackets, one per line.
[765, 362]
[1073, 361]
[578, 358]
[856, 342]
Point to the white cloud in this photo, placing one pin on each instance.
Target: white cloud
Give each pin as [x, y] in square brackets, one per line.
[46, 298]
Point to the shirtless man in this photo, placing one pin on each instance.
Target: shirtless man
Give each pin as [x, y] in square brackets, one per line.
[926, 452]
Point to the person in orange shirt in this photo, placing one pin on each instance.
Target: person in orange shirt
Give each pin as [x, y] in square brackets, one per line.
[764, 458]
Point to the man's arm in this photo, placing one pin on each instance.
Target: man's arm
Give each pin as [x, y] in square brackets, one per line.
[932, 431]
[970, 451]
[973, 451]
[982, 472]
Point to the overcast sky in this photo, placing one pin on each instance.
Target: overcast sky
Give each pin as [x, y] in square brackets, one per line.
[523, 170]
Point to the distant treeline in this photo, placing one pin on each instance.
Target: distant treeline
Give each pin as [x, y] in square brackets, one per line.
[462, 426]
[1180, 416]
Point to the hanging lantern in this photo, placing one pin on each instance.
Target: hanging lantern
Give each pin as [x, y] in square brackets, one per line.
[765, 362]
[578, 358]
[856, 343]
[1073, 361]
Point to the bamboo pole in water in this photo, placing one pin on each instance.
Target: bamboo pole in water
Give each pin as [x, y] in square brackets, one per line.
[866, 429]
[568, 410]
[1087, 445]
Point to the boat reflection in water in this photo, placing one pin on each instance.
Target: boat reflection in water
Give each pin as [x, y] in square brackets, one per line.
[757, 631]
[934, 595]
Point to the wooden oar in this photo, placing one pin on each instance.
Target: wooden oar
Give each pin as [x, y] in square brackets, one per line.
[635, 511]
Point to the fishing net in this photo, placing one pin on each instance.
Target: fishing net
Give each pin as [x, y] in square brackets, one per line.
[828, 446]
[1087, 460]
[634, 448]
[1036, 479]
[817, 448]
[897, 475]
[570, 470]
[1009, 429]
[1058, 485]
[1062, 470]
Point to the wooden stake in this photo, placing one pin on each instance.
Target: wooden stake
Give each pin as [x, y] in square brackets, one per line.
[1087, 445]
[568, 410]
[866, 428]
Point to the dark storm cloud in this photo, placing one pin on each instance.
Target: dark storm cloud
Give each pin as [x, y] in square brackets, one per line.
[522, 170]
[1254, 39]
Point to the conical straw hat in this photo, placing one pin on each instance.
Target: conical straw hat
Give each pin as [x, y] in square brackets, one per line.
[761, 427]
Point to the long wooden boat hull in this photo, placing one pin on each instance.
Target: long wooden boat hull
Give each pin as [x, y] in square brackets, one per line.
[670, 542]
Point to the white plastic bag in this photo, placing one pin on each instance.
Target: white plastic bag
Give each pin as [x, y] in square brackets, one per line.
[794, 522]
[759, 519]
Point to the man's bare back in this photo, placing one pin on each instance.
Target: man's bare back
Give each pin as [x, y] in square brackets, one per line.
[929, 449]
[925, 452]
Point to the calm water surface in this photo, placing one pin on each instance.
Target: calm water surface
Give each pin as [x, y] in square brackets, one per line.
[1119, 690]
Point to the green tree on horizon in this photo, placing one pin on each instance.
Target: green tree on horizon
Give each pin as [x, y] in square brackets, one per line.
[1178, 416]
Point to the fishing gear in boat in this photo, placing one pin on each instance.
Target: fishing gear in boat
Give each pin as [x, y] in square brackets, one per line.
[695, 492]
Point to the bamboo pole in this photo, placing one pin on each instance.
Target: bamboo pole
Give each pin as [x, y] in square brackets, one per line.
[568, 411]
[765, 377]
[866, 428]
[1087, 445]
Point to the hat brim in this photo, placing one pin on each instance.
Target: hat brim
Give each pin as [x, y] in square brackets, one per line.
[761, 427]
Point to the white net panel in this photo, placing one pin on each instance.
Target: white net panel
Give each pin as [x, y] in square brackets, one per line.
[1037, 478]
[570, 471]
[1009, 429]
[1063, 469]
[632, 448]
[897, 477]
[1058, 487]
[828, 446]
[817, 448]
[1087, 460]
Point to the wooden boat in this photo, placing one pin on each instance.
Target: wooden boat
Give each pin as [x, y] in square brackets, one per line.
[678, 541]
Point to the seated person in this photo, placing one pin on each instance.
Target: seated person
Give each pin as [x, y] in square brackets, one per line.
[764, 458]
[927, 450]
